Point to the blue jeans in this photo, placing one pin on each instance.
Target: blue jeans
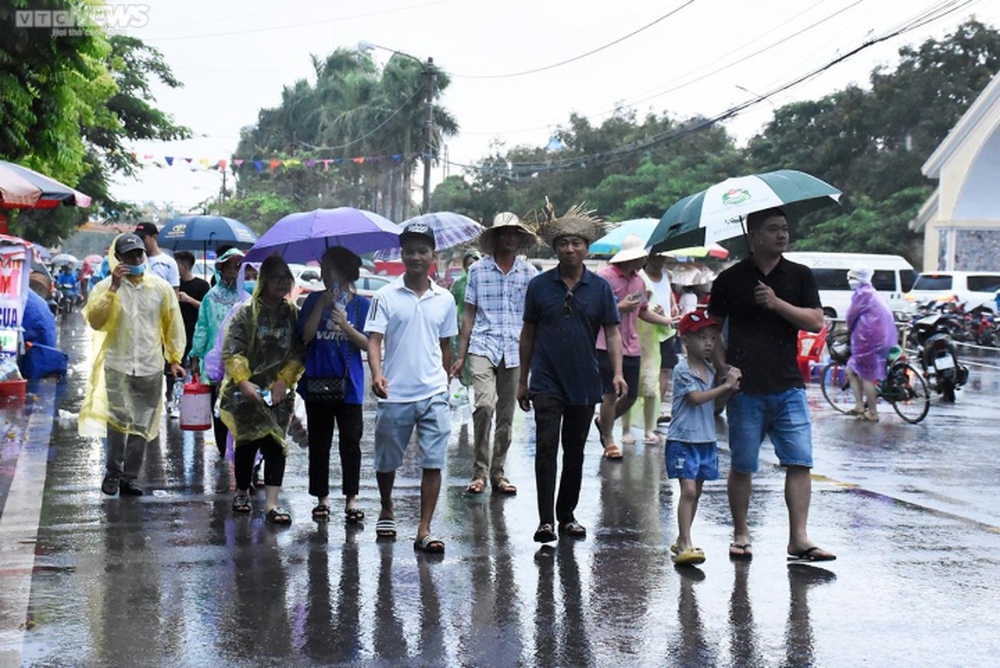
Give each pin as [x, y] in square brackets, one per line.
[783, 417]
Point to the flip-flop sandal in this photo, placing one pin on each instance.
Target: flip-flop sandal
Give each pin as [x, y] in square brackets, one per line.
[744, 551]
[675, 549]
[504, 486]
[476, 486]
[241, 504]
[429, 544]
[689, 557]
[810, 555]
[613, 453]
[354, 515]
[321, 512]
[278, 516]
[385, 527]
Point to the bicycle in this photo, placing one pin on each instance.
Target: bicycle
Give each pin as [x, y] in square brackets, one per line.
[904, 388]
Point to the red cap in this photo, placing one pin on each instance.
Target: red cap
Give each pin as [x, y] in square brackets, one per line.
[696, 320]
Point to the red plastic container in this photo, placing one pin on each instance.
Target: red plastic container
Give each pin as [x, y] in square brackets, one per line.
[196, 406]
[12, 392]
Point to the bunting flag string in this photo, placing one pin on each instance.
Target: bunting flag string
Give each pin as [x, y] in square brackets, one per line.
[269, 164]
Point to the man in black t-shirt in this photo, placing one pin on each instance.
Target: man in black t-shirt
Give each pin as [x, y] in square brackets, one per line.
[192, 290]
[764, 301]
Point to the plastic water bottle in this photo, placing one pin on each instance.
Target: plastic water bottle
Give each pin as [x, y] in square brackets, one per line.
[8, 369]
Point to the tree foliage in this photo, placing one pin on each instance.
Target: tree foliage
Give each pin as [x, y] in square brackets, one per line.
[70, 104]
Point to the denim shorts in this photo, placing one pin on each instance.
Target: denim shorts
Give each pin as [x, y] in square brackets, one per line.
[783, 417]
[692, 461]
[394, 423]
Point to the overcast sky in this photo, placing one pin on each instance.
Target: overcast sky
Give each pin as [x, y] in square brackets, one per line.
[685, 58]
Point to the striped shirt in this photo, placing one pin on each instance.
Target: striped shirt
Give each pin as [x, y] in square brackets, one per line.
[499, 302]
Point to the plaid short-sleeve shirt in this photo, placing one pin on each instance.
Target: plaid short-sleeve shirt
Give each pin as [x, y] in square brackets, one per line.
[499, 302]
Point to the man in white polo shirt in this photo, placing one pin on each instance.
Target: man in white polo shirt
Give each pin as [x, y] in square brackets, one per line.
[416, 319]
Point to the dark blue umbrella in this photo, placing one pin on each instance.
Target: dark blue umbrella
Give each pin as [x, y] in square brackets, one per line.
[204, 233]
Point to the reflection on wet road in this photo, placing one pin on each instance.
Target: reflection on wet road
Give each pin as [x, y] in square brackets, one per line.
[173, 578]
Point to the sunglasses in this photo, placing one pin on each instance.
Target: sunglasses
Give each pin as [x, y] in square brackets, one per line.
[568, 302]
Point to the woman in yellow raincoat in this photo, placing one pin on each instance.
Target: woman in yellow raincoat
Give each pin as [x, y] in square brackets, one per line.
[263, 358]
[138, 324]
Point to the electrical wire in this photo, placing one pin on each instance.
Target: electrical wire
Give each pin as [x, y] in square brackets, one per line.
[581, 161]
[367, 134]
[578, 57]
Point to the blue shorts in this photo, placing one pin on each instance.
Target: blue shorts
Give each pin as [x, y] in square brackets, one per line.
[782, 417]
[692, 461]
[394, 423]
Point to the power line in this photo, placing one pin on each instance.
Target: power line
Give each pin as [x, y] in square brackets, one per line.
[367, 134]
[579, 162]
[578, 57]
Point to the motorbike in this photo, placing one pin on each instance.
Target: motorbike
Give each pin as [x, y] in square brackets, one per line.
[65, 299]
[938, 355]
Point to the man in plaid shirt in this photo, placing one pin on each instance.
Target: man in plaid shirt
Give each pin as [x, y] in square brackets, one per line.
[488, 342]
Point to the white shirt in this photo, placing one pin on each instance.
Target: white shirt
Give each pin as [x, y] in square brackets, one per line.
[413, 328]
[165, 267]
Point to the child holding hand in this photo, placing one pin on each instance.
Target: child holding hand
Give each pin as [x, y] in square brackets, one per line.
[692, 455]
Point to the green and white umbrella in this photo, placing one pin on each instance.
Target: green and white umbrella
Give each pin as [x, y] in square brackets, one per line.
[717, 214]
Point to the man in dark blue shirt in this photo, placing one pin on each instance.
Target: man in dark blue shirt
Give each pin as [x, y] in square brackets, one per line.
[564, 309]
[764, 301]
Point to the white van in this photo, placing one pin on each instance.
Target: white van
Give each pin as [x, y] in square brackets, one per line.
[972, 288]
[892, 276]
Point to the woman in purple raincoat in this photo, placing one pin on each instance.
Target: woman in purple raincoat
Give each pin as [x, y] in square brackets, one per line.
[873, 334]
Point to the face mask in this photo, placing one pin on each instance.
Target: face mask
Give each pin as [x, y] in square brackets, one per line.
[137, 269]
[853, 283]
[249, 286]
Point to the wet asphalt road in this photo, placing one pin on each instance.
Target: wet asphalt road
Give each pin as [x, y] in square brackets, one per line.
[173, 578]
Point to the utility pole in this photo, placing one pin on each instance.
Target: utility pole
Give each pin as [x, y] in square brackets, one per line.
[429, 81]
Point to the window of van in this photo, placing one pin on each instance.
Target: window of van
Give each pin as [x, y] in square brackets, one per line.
[980, 283]
[831, 279]
[933, 282]
[884, 280]
[907, 277]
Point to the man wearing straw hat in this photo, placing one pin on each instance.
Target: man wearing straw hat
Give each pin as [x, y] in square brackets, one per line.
[630, 292]
[563, 310]
[488, 343]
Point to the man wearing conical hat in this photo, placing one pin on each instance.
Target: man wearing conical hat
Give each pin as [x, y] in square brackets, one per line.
[564, 309]
[488, 343]
[630, 292]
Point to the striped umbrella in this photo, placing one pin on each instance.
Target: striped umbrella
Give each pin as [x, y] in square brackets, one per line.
[450, 229]
[23, 188]
[717, 214]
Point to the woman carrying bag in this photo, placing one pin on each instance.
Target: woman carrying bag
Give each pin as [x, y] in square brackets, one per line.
[331, 326]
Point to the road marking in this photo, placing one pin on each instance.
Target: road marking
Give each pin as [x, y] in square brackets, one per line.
[19, 525]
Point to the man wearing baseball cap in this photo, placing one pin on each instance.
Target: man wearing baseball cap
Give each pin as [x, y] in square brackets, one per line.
[415, 318]
[138, 327]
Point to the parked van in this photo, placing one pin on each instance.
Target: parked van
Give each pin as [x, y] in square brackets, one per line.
[892, 277]
[973, 288]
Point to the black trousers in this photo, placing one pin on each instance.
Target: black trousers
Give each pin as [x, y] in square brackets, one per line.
[221, 431]
[555, 419]
[274, 462]
[321, 416]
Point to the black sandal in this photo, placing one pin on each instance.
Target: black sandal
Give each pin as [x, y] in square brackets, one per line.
[278, 515]
[241, 504]
[321, 512]
[354, 515]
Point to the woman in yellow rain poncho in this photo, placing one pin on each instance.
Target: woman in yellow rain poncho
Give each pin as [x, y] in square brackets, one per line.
[137, 323]
[263, 358]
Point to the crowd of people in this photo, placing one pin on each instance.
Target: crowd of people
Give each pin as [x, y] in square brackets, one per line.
[560, 343]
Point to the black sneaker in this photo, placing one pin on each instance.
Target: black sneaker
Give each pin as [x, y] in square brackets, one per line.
[110, 484]
[129, 488]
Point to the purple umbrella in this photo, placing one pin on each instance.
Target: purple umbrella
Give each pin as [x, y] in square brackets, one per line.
[301, 237]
